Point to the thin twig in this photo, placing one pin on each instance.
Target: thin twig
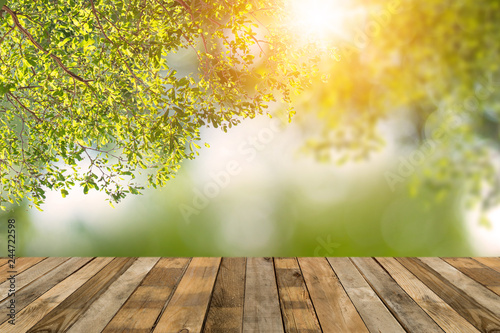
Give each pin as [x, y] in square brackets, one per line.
[185, 5]
[106, 36]
[8, 32]
[23, 106]
[38, 46]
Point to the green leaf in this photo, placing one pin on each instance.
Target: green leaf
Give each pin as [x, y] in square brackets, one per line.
[63, 42]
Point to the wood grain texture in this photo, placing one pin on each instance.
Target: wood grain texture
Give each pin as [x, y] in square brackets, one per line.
[475, 290]
[69, 310]
[34, 290]
[373, 311]
[491, 262]
[234, 295]
[226, 307]
[143, 308]
[261, 311]
[478, 272]
[20, 265]
[35, 311]
[105, 307]
[296, 306]
[187, 308]
[31, 274]
[335, 311]
[447, 318]
[483, 319]
[403, 307]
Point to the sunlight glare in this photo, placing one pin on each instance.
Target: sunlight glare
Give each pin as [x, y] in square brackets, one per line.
[319, 19]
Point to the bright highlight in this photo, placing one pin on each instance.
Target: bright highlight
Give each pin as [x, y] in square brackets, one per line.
[318, 19]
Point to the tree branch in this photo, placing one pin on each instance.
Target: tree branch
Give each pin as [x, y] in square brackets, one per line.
[23, 106]
[8, 32]
[38, 46]
[106, 36]
[184, 4]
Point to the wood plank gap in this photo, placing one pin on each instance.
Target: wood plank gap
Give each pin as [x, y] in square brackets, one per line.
[244, 294]
[225, 311]
[102, 310]
[491, 262]
[143, 306]
[480, 273]
[345, 291]
[31, 274]
[483, 319]
[35, 311]
[211, 295]
[295, 301]
[261, 309]
[69, 311]
[334, 308]
[411, 316]
[41, 285]
[444, 315]
[170, 296]
[308, 293]
[21, 264]
[186, 310]
[376, 316]
[475, 290]
[279, 295]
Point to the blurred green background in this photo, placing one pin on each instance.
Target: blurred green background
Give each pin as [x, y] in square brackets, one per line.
[278, 204]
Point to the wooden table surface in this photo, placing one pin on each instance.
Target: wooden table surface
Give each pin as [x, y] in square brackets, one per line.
[186, 295]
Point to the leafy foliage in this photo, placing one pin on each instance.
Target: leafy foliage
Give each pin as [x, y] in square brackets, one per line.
[88, 84]
[437, 61]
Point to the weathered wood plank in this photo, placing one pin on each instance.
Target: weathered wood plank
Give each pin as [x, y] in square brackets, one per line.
[69, 310]
[226, 307]
[187, 309]
[31, 274]
[334, 309]
[478, 272]
[442, 313]
[144, 306]
[235, 295]
[403, 307]
[21, 264]
[36, 310]
[261, 311]
[34, 290]
[296, 306]
[491, 262]
[105, 307]
[475, 290]
[372, 310]
[483, 319]
[3, 261]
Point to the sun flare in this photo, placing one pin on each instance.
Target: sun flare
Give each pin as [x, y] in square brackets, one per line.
[320, 19]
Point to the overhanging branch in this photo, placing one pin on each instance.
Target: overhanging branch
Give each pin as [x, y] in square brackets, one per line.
[38, 46]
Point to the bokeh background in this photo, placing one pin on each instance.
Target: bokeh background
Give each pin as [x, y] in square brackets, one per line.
[278, 203]
[272, 188]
